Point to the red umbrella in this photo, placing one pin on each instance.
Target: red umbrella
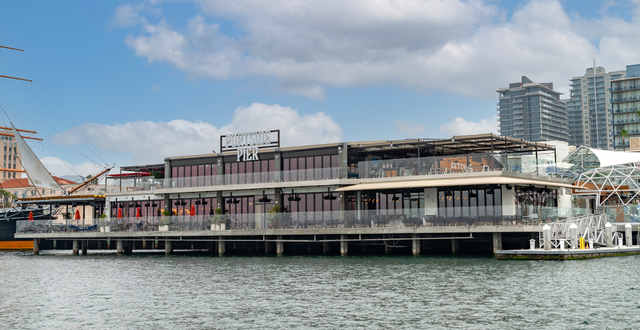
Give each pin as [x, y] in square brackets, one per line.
[77, 215]
[193, 210]
[30, 216]
[119, 213]
[138, 212]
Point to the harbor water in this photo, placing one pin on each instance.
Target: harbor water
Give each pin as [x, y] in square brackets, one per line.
[99, 291]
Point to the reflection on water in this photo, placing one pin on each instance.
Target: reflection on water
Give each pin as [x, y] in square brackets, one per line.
[144, 291]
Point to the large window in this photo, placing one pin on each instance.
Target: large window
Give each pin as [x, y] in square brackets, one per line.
[470, 202]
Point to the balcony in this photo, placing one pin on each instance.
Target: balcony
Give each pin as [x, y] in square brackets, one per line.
[386, 168]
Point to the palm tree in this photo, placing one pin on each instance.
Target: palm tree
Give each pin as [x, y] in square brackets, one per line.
[7, 197]
[624, 134]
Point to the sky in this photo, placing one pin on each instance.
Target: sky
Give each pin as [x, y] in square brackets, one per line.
[119, 83]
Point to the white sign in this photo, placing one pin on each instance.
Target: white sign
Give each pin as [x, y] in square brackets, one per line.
[247, 139]
[247, 144]
[247, 153]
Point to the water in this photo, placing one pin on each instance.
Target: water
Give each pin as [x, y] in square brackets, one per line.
[194, 292]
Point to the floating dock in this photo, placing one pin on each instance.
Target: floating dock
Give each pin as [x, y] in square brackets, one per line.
[567, 254]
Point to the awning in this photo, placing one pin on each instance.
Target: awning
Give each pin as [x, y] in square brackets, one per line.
[611, 158]
[454, 183]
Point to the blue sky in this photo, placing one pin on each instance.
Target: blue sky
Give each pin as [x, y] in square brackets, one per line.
[142, 80]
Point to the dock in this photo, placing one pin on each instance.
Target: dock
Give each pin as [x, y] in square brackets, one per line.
[567, 254]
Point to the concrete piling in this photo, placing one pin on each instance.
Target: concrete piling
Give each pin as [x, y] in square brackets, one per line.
[546, 237]
[415, 245]
[221, 247]
[36, 246]
[119, 246]
[627, 235]
[497, 242]
[325, 247]
[344, 246]
[455, 247]
[608, 231]
[76, 247]
[279, 246]
[573, 235]
[168, 248]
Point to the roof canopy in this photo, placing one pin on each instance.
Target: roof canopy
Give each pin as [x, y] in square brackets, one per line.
[612, 158]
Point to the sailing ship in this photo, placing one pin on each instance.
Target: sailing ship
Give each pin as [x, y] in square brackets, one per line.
[31, 211]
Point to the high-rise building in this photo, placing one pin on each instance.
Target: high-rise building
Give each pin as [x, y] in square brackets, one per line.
[11, 159]
[589, 126]
[625, 101]
[532, 112]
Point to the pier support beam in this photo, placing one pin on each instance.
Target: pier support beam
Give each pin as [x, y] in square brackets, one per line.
[84, 248]
[76, 247]
[119, 246]
[387, 248]
[608, 232]
[497, 242]
[168, 247]
[344, 246]
[415, 245]
[627, 235]
[455, 247]
[267, 247]
[325, 247]
[279, 246]
[36, 246]
[221, 247]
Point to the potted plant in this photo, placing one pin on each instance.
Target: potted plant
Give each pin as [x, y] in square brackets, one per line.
[165, 221]
[104, 224]
[275, 216]
[218, 221]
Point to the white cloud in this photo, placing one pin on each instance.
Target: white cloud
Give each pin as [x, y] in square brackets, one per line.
[408, 127]
[459, 126]
[466, 47]
[128, 16]
[151, 142]
[58, 167]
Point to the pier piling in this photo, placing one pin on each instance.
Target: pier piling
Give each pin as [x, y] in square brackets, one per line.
[627, 235]
[415, 245]
[325, 247]
[84, 247]
[344, 246]
[546, 237]
[609, 234]
[76, 244]
[221, 247]
[573, 234]
[36, 246]
[119, 246]
[168, 248]
[279, 246]
[455, 247]
[497, 242]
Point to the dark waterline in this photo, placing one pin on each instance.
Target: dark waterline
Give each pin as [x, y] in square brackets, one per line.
[58, 290]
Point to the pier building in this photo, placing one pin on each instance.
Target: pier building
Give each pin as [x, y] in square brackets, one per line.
[477, 193]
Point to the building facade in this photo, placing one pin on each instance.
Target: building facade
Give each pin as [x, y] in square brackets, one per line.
[532, 112]
[625, 102]
[590, 109]
[11, 156]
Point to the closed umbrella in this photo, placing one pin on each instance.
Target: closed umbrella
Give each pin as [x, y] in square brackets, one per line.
[138, 212]
[77, 217]
[193, 210]
[30, 216]
[119, 213]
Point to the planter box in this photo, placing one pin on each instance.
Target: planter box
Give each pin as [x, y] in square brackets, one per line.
[163, 228]
[222, 226]
[104, 229]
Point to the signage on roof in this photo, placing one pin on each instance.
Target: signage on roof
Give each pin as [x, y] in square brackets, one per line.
[247, 144]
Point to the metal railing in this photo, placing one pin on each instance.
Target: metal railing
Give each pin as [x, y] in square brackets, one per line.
[431, 217]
